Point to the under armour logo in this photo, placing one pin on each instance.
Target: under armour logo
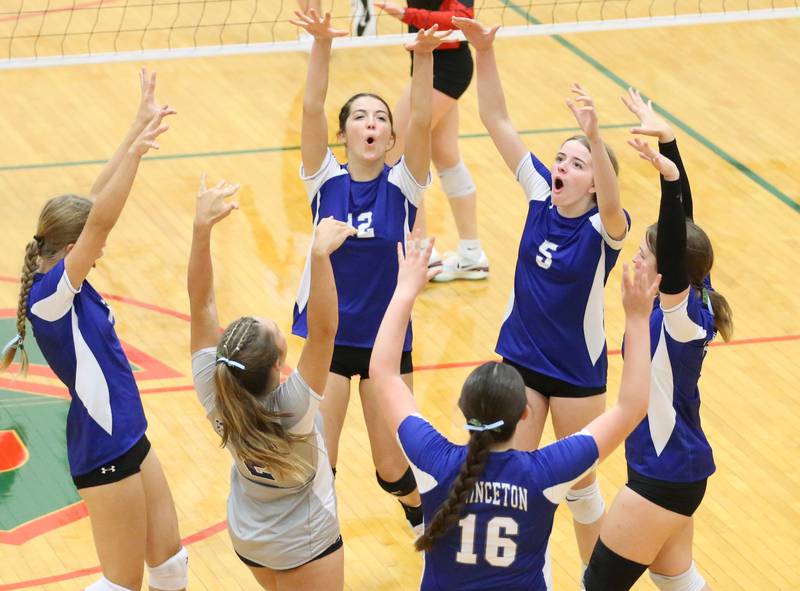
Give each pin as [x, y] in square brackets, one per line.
[109, 469]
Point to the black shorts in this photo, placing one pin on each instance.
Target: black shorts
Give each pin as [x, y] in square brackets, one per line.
[452, 70]
[552, 387]
[678, 497]
[329, 550]
[350, 361]
[117, 469]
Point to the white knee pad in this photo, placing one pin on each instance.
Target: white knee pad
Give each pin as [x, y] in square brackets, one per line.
[691, 580]
[457, 181]
[105, 585]
[172, 574]
[586, 504]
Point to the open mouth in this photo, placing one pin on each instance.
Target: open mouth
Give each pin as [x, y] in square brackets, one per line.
[558, 184]
[370, 140]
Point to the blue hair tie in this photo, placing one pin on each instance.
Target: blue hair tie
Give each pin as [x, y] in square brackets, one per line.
[476, 425]
[230, 362]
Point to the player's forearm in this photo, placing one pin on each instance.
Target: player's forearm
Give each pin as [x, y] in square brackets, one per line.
[111, 166]
[317, 77]
[200, 275]
[388, 347]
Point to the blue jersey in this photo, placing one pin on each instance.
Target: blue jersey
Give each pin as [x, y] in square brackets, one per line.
[365, 266]
[669, 444]
[501, 538]
[554, 320]
[74, 328]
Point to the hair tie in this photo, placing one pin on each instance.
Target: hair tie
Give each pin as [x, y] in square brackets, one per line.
[230, 362]
[39, 240]
[476, 425]
[707, 301]
[16, 341]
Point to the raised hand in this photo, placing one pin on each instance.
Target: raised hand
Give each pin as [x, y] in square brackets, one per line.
[390, 8]
[211, 206]
[637, 292]
[650, 122]
[661, 163]
[148, 105]
[319, 28]
[585, 114]
[427, 40]
[478, 36]
[330, 235]
[413, 273]
[147, 138]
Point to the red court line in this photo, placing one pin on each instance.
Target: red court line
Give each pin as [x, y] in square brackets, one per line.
[34, 13]
[187, 541]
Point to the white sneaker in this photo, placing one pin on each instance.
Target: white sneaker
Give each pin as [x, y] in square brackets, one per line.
[365, 22]
[455, 266]
[435, 260]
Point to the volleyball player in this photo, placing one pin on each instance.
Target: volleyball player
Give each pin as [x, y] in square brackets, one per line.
[380, 201]
[553, 330]
[363, 18]
[669, 459]
[488, 507]
[112, 464]
[282, 507]
[452, 73]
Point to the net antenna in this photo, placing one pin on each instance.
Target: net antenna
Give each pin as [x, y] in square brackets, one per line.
[44, 33]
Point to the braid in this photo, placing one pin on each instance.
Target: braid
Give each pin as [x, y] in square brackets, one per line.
[29, 267]
[450, 511]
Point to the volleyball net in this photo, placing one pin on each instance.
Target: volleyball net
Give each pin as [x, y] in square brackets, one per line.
[39, 33]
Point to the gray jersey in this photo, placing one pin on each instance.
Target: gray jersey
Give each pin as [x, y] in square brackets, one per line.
[276, 522]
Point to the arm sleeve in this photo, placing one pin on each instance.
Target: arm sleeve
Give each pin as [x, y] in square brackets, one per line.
[534, 178]
[565, 462]
[329, 169]
[295, 398]
[53, 295]
[670, 150]
[400, 176]
[204, 363]
[671, 243]
[428, 452]
[425, 19]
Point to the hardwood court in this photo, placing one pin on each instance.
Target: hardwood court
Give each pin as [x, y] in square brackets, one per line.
[730, 91]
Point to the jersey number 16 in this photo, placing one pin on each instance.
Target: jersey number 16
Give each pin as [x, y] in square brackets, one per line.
[500, 551]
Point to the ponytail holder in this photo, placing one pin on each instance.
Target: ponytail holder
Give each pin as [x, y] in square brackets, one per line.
[15, 342]
[476, 425]
[707, 301]
[230, 362]
[39, 240]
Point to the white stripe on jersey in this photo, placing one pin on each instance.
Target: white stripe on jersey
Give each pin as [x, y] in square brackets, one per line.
[90, 383]
[660, 411]
[679, 326]
[593, 330]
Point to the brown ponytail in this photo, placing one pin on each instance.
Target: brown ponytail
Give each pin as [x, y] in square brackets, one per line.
[450, 511]
[493, 392]
[723, 315]
[254, 433]
[29, 267]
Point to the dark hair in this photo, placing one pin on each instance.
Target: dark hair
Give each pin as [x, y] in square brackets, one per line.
[256, 434]
[584, 141]
[699, 260]
[60, 223]
[344, 112]
[493, 391]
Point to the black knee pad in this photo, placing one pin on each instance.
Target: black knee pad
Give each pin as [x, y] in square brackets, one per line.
[400, 488]
[608, 571]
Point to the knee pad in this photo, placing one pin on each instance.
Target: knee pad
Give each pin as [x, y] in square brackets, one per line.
[608, 571]
[457, 181]
[691, 580]
[400, 488]
[172, 574]
[586, 504]
[105, 585]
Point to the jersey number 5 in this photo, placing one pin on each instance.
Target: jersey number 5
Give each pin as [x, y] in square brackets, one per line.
[500, 551]
[545, 258]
